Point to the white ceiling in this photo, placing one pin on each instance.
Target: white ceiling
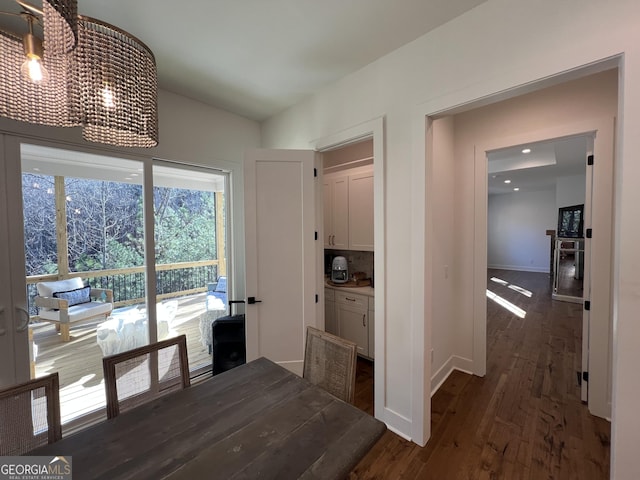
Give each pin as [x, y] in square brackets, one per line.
[259, 57]
[539, 169]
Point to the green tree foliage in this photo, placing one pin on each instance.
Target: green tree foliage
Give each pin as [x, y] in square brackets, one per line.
[184, 225]
[105, 224]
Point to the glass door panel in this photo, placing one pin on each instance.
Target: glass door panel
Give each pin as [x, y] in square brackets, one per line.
[190, 253]
[84, 243]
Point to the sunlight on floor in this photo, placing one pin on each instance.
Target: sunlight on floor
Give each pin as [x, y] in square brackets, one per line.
[515, 288]
[506, 304]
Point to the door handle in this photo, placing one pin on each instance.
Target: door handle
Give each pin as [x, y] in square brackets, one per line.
[364, 316]
[252, 300]
[2, 329]
[22, 312]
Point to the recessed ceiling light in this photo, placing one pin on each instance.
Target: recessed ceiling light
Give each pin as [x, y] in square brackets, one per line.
[134, 174]
[516, 189]
[36, 169]
[507, 181]
[526, 150]
[128, 178]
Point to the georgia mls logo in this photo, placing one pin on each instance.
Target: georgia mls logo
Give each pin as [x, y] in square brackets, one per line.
[35, 468]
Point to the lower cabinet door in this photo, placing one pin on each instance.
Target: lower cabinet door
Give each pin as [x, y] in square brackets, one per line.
[352, 323]
[330, 322]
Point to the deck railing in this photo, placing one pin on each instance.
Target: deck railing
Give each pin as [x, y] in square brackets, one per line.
[129, 285]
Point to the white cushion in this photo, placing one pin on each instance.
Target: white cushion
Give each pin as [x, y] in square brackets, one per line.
[79, 312]
[47, 289]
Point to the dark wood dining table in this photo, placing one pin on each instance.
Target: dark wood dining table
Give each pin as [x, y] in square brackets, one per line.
[256, 421]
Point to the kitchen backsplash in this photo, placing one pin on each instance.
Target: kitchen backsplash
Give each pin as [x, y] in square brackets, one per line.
[358, 261]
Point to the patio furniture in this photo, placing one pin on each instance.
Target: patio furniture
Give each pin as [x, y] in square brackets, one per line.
[258, 420]
[220, 290]
[64, 302]
[140, 375]
[330, 363]
[214, 309]
[30, 415]
[127, 328]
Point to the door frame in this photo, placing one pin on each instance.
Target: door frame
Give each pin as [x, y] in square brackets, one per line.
[598, 249]
[373, 129]
[422, 274]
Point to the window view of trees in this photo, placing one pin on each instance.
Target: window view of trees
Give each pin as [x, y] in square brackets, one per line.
[104, 224]
[104, 228]
[39, 224]
[184, 225]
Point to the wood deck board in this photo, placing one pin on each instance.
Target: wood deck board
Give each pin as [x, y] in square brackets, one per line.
[79, 361]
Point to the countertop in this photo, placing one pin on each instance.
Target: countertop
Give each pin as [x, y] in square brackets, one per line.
[368, 291]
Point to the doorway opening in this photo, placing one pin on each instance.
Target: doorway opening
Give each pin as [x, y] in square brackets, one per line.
[458, 142]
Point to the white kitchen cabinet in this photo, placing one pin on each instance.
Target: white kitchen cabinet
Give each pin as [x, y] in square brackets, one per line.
[348, 210]
[336, 212]
[352, 318]
[330, 323]
[361, 211]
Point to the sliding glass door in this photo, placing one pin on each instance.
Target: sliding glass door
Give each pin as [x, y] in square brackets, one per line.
[189, 206]
[86, 225]
[83, 235]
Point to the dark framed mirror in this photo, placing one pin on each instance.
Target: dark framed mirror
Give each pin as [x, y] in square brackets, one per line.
[570, 222]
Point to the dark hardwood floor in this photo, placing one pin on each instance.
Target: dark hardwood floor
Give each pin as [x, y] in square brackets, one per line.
[523, 420]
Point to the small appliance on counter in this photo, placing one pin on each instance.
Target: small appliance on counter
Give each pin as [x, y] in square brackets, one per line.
[339, 270]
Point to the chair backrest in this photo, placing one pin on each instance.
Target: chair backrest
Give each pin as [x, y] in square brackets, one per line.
[137, 376]
[30, 415]
[330, 363]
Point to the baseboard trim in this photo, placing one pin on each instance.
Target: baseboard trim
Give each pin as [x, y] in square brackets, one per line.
[397, 423]
[454, 362]
[520, 268]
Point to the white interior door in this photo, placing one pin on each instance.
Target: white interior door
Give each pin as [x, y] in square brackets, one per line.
[281, 247]
[586, 279]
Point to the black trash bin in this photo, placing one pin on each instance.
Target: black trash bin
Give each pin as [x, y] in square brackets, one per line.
[228, 341]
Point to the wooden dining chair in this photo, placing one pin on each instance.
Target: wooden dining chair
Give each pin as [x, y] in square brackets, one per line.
[30, 415]
[330, 363]
[137, 376]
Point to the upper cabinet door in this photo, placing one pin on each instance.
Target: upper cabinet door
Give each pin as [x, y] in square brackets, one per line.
[361, 211]
[336, 212]
[340, 214]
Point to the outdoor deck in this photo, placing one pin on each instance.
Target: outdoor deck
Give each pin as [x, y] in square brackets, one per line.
[79, 362]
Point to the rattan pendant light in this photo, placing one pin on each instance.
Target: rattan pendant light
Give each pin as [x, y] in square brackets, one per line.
[99, 77]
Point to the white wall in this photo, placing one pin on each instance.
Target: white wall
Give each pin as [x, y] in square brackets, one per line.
[496, 47]
[516, 228]
[570, 190]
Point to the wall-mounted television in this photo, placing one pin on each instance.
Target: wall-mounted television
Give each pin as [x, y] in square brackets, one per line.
[570, 222]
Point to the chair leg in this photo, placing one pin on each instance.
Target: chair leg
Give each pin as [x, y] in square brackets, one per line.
[58, 327]
[64, 330]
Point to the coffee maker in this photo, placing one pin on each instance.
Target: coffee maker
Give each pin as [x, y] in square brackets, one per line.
[339, 270]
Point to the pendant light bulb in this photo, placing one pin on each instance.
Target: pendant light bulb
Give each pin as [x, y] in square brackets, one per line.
[32, 69]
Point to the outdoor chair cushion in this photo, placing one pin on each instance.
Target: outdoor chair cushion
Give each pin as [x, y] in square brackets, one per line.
[78, 312]
[75, 297]
[47, 289]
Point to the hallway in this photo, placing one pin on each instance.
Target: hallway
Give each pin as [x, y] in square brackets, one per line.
[524, 420]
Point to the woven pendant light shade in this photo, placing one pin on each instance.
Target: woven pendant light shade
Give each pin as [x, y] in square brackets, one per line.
[115, 82]
[99, 77]
[45, 104]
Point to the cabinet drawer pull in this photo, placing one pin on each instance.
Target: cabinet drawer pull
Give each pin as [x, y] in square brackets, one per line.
[350, 299]
[364, 316]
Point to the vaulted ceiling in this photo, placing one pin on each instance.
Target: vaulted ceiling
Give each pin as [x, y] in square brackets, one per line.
[259, 57]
